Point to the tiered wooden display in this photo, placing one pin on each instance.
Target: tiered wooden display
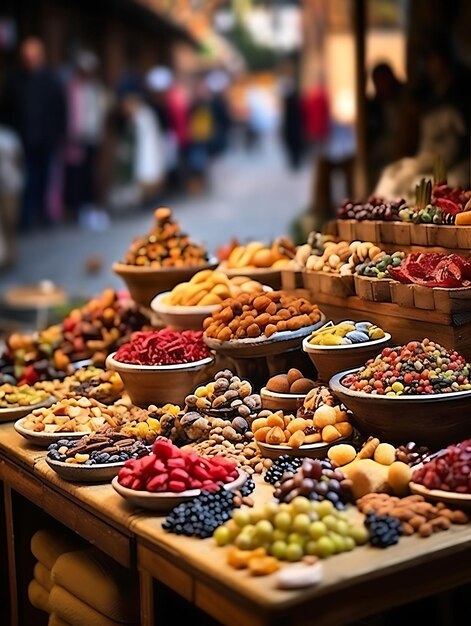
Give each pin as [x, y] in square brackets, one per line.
[407, 311]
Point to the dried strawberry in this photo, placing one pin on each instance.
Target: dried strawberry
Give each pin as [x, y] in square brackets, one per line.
[157, 483]
[176, 486]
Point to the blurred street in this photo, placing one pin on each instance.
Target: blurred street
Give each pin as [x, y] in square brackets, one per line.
[253, 195]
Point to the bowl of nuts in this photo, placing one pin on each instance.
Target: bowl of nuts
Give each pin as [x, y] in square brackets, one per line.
[163, 258]
[18, 401]
[158, 367]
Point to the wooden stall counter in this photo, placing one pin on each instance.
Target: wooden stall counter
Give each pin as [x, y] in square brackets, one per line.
[14, 445]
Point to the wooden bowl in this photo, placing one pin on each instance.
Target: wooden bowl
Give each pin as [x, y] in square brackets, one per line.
[144, 283]
[330, 360]
[160, 384]
[434, 420]
[287, 402]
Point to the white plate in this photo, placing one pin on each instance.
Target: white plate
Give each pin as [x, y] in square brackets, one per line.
[81, 473]
[165, 501]
[43, 439]
[10, 414]
[310, 450]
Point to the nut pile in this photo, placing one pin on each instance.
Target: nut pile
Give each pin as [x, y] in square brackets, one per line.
[71, 415]
[165, 245]
[247, 455]
[415, 514]
[145, 423]
[227, 395]
[373, 209]
[22, 395]
[327, 425]
[419, 367]
[257, 255]
[260, 314]
[97, 449]
[412, 453]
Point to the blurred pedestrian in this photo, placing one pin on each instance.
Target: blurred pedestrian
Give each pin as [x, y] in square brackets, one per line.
[218, 82]
[36, 109]
[88, 104]
[292, 124]
[11, 186]
[200, 133]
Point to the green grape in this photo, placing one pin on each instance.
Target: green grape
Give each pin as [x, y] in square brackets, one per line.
[270, 509]
[222, 535]
[301, 523]
[317, 530]
[349, 543]
[338, 541]
[263, 530]
[279, 535]
[256, 515]
[330, 521]
[233, 528]
[315, 507]
[359, 534]
[241, 517]
[296, 538]
[325, 508]
[311, 548]
[294, 552]
[300, 504]
[313, 516]
[325, 547]
[341, 527]
[343, 515]
[278, 550]
[283, 520]
[244, 542]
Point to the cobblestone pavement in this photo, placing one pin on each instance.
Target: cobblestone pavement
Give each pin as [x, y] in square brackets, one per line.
[253, 196]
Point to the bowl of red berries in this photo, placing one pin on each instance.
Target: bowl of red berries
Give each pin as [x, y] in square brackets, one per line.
[416, 392]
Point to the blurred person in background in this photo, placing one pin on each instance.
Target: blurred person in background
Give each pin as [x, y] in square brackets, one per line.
[292, 120]
[142, 144]
[35, 105]
[159, 81]
[88, 105]
[11, 186]
[218, 82]
[261, 116]
[201, 126]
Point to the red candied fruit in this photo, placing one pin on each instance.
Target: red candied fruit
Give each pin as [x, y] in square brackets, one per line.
[163, 347]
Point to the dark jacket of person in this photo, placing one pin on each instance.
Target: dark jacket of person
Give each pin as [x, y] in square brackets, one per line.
[35, 107]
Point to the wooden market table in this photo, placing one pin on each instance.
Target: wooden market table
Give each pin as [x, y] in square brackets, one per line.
[367, 580]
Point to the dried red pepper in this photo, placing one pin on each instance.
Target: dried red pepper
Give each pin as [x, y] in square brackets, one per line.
[163, 347]
[433, 270]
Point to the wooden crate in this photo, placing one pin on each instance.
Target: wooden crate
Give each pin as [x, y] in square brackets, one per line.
[374, 289]
[368, 230]
[330, 284]
[423, 297]
[447, 236]
[402, 233]
[402, 295]
[419, 234]
[452, 300]
[463, 237]
[291, 279]
[346, 230]
[387, 232]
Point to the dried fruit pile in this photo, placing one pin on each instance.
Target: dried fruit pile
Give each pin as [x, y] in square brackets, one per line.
[433, 270]
[346, 332]
[23, 395]
[419, 367]
[373, 209]
[449, 470]
[72, 415]
[165, 245]
[171, 469]
[292, 382]
[97, 449]
[163, 347]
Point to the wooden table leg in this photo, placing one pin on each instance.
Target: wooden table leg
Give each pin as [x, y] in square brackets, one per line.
[146, 588]
[10, 538]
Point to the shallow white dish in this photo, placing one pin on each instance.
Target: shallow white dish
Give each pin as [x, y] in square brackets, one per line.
[440, 495]
[165, 501]
[10, 414]
[81, 473]
[43, 439]
[181, 317]
[310, 450]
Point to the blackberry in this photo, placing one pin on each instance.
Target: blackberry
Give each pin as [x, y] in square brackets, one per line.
[385, 530]
[201, 516]
[247, 487]
[282, 464]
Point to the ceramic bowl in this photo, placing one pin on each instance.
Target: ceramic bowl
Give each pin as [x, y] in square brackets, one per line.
[165, 501]
[434, 420]
[287, 402]
[13, 413]
[81, 473]
[310, 450]
[329, 360]
[43, 439]
[144, 283]
[160, 384]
